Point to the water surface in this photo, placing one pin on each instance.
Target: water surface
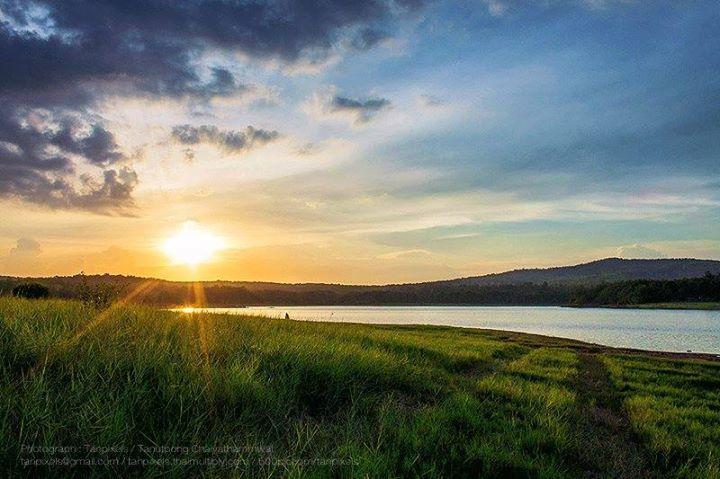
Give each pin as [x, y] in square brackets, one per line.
[658, 330]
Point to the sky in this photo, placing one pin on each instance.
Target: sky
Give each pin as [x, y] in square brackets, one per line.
[356, 142]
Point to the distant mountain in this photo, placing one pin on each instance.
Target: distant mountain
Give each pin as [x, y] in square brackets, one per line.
[608, 269]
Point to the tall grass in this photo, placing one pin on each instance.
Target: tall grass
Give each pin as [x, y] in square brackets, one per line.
[282, 398]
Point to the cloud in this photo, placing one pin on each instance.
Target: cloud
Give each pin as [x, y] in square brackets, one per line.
[368, 38]
[21, 258]
[98, 145]
[229, 140]
[459, 236]
[222, 84]
[110, 195]
[359, 111]
[496, 8]
[363, 109]
[406, 254]
[154, 43]
[25, 247]
[638, 251]
[37, 159]
[63, 57]
[430, 101]
[707, 249]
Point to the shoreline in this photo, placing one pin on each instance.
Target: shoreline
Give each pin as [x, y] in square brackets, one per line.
[645, 306]
[594, 348]
[700, 306]
[513, 336]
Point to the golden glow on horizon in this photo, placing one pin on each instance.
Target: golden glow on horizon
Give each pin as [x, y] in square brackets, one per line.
[192, 245]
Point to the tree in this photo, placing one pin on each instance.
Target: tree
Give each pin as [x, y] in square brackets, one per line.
[100, 295]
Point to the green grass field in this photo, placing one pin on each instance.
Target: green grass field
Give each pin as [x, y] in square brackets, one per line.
[162, 394]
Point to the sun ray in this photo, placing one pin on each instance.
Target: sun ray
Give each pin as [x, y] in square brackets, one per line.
[103, 316]
[203, 333]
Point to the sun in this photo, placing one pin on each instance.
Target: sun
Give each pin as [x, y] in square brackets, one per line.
[192, 245]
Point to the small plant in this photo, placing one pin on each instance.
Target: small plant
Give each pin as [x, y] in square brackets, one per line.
[98, 295]
[30, 291]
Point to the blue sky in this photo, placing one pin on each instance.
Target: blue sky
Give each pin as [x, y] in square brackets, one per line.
[388, 142]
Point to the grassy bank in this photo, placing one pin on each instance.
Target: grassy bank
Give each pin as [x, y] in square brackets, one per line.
[158, 392]
[702, 306]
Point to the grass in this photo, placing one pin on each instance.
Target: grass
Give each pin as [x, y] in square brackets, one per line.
[157, 393]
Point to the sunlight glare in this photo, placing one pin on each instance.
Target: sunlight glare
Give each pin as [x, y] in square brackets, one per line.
[192, 245]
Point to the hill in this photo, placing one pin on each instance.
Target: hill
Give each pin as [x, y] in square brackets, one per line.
[603, 270]
[551, 286]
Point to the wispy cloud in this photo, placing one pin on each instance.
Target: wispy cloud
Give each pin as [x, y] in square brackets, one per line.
[231, 141]
[408, 253]
[329, 103]
[639, 251]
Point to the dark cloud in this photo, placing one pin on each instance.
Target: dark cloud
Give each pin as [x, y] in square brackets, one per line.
[363, 110]
[37, 164]
[98, 146]
[111, 195]
[25, 147]
[229, 140]
[71, 72]
[368, 38]
[342, 103]
[60, 57]
[154, 43]
[115, 189]
[45, 132]
[260, 29]
[85, 48]
[222, 84]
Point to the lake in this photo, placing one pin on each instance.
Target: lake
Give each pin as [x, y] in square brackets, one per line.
[658, 330]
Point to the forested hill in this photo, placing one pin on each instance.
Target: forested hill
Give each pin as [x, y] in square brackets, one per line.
[604, 270]
[581, 284]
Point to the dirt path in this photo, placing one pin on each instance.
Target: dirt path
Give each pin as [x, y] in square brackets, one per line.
[608, 446]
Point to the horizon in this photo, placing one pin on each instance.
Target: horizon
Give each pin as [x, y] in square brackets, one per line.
[440, 280]
[397, 142]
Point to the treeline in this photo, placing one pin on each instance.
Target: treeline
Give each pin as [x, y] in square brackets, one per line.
[107, 288]
[220, 294]
[525, 294]
[705, 289]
